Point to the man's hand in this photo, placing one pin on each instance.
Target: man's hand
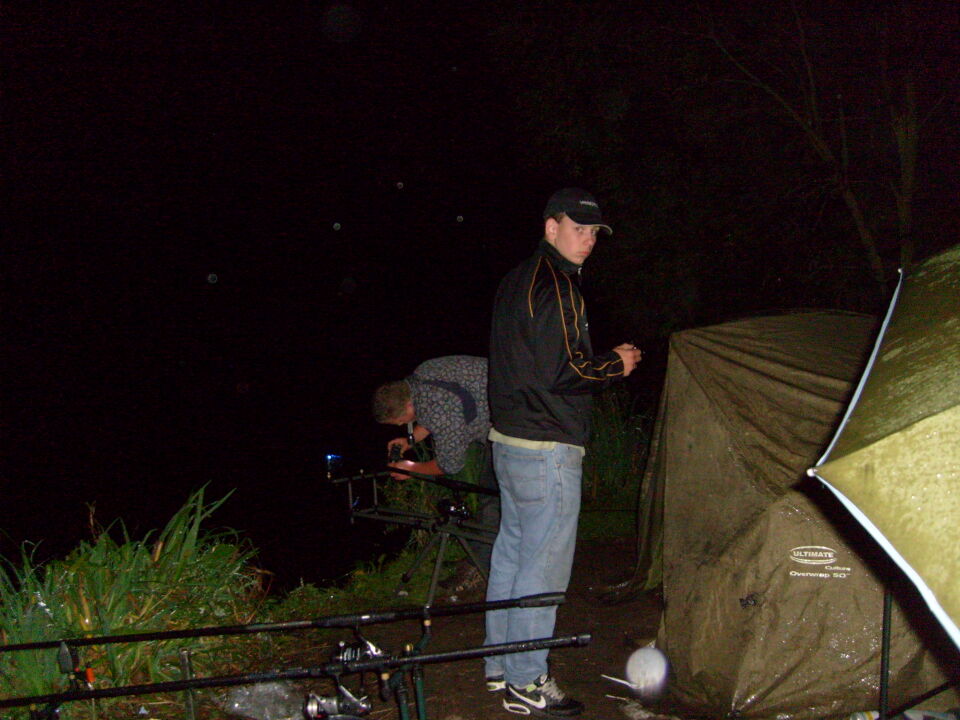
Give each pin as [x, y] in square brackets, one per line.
[402, 442]
[630, 356]
[405, 465]
[430, 467]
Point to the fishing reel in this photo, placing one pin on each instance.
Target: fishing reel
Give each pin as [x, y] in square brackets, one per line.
[361, 649]
[342, 706]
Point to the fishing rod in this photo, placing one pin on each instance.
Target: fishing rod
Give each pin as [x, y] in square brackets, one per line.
[332, 669]
[332, 621]
[442, 480]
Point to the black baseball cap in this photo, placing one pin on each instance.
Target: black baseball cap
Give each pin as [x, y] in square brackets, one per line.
[578, 205]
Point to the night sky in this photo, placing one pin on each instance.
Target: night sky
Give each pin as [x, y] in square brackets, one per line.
[227, 223]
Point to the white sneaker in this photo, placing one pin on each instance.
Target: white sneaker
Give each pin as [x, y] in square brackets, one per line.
[541, 697]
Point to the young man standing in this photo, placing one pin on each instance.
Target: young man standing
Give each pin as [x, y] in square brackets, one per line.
[543, 375]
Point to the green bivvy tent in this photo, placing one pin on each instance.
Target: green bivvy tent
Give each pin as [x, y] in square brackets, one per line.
[772, 604]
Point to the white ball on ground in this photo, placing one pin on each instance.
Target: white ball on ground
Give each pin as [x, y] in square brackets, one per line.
[647, 670]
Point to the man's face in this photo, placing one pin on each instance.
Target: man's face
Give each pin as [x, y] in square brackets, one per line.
[573, 241]
[408, 415]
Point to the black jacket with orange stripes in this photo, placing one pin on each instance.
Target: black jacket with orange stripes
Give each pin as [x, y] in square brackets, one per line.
[543, 373]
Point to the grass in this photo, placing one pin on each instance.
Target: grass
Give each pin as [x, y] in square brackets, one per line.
[185, 576]
[616, 451]
[605, 524]
[182, 577]
[371, 584]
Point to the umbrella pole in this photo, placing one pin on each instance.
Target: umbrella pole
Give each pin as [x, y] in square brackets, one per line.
[885, 654]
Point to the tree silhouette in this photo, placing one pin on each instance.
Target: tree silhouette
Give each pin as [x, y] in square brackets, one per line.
[774, 157]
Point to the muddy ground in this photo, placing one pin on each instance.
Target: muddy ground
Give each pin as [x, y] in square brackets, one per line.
[456, 691]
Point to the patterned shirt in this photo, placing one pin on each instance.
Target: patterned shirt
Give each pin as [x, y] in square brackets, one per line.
[450, 400]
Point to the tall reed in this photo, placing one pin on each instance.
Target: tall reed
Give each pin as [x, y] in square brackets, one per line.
[616, 451]
[183, 577]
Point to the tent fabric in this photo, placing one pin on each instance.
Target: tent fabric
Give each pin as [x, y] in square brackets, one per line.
[917, 374]
[897, 458]
[770, 609]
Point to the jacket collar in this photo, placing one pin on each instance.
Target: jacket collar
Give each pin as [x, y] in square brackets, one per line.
[557, 259]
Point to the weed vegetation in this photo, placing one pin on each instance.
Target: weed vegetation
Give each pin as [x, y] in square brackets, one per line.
[185, 577]
[182, 577]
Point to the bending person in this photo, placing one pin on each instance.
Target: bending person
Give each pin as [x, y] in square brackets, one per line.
[445, 398]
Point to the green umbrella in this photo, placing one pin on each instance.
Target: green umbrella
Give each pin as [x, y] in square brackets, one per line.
[895, 461]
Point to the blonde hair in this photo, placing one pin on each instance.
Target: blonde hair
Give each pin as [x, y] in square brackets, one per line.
[390, 400]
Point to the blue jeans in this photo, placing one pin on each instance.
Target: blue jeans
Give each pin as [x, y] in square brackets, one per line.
[533, 553]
